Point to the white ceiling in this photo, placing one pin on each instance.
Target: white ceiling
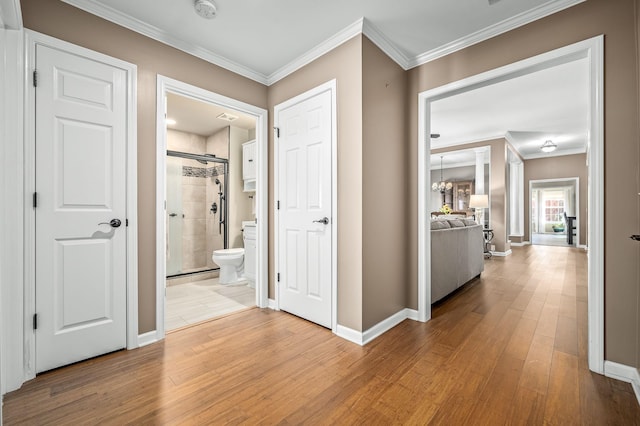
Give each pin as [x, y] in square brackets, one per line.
[548, 104]
[266, 40]
[200, 118]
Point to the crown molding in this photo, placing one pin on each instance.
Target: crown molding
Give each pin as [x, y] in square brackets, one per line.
[556, 153]
[321, 49]
[10, 15]
[155, 33]
[384, 44]
[546, 9]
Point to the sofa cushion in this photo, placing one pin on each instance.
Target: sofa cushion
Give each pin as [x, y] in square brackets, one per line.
[439, 224]
[456, 223]
[469, 222]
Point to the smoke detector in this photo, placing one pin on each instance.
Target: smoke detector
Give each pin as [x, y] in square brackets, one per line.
[205, 8]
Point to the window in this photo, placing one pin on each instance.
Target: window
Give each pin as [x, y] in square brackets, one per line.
[554, 207]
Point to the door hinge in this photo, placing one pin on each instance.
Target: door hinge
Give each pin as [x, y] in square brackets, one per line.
[126, 222]
[278, 205]
[35, 78]
[278, 276]
[35, 200]
[35, 321]
[277, 130]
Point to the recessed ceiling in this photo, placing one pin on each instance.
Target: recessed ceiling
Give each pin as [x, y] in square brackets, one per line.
[266, 40]
[550, 104]
[201, 118]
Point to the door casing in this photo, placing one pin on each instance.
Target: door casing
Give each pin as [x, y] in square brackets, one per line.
[331, 86]
[164, 85]
[32, 39]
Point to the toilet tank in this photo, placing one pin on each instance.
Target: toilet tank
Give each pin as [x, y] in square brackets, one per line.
[250, 260]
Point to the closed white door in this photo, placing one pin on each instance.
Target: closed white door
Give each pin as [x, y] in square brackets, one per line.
[81, 199]
[304, 216]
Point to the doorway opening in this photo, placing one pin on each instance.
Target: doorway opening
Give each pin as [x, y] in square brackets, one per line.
[211, 212]
[554, 206]
[591, 51]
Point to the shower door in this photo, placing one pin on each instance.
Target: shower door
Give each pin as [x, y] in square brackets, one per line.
[173, 216]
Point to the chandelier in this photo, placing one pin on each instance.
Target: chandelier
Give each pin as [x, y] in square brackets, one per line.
[441, 186]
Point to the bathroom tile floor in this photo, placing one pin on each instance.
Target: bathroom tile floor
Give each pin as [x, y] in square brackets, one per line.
[197, 301]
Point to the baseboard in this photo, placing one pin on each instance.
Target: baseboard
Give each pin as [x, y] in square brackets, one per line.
[624, 373]
[271, 304]
[362, 338]
[147, 338]
[522, 244]
[501, 253]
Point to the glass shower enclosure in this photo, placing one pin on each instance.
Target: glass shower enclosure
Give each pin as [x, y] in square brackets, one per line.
[196, 211]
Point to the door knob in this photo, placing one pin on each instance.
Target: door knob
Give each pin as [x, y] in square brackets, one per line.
[635, 237]
[173, 214]
[114, 223]
[324, 220]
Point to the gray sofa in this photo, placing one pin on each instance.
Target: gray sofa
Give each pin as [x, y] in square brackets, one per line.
[457, 255]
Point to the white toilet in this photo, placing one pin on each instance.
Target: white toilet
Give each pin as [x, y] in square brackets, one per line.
[231, 262]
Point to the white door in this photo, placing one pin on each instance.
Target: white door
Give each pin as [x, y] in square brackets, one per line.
[304, 220]
[81, 187]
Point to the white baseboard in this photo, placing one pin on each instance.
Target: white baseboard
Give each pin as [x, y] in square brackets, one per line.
[362, 338]
[271, 304]
[501, 253]
[522, 244]
[147, 338]
[624, 373]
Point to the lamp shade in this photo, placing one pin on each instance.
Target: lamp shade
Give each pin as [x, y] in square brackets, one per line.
[479, 201]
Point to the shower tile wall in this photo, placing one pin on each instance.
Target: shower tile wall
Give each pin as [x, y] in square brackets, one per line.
[196, 179]
[217, 144]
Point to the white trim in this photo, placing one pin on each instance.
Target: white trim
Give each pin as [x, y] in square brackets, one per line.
[271, 304]
[165, 85]
[593, 49]
[362, 338]
[522, 244]
[12, 210]
[361, 26]
[558, 153]
[148, 338]
[110, 14]
[10, 15]
[331, 87]
[32, 39]
[546, 9]
[625, 373]
[501, 253]
[323, 48]
[384, 44]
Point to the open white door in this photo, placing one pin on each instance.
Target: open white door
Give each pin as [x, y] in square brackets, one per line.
[81, 163]
[305, 207]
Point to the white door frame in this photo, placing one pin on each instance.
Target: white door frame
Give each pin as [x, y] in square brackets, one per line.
[576, 180]
[328, 86]
[32, 39]
[164, 86]
[593, 50]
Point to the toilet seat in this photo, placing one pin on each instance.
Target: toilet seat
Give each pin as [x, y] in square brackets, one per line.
[229, 252]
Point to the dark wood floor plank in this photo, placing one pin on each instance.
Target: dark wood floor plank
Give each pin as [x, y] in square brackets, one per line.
[507, 348]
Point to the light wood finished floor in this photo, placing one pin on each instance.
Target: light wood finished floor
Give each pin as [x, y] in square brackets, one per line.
[508, 349]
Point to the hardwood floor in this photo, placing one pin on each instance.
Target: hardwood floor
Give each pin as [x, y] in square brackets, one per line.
[510, 348]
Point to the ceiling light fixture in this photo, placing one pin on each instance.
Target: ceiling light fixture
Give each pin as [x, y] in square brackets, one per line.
[205, 8]
[441, 186]
[227, 117]
[548, 146]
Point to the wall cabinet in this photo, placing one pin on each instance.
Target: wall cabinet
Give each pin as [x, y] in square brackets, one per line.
[249, 165]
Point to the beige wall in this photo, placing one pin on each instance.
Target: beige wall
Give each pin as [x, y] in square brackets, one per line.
[384, 193]
[345, 65]
[67, 23]
[565, 166]
[617, 21]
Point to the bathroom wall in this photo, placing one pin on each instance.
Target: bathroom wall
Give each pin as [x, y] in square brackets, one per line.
[217, 144]
[240, 203]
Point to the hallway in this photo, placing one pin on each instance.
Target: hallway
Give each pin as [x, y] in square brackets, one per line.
[508, 348]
